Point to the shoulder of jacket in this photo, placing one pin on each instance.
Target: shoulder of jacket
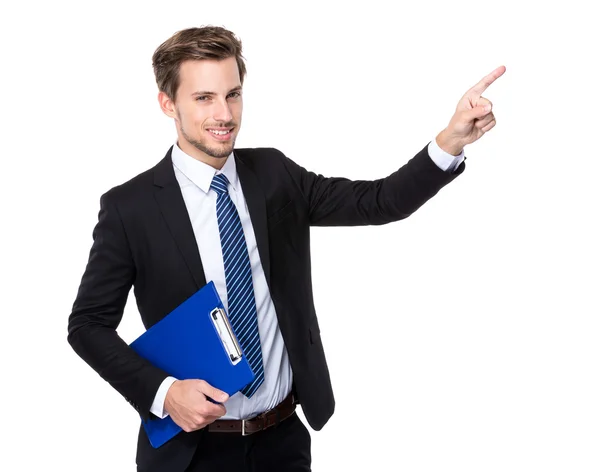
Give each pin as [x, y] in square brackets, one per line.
[129, 189]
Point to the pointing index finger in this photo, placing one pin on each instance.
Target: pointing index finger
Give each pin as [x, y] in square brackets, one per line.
[488, 80]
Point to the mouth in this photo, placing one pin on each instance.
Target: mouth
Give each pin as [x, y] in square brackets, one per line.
[220, 134]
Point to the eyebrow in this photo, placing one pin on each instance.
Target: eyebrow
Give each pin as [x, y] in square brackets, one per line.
[235, 89]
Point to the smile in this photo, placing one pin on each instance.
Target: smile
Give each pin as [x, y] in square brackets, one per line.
[221, 134]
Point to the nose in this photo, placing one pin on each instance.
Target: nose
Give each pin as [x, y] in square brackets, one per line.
[222, 111]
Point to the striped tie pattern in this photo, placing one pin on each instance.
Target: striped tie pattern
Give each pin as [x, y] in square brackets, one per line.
[238, 279]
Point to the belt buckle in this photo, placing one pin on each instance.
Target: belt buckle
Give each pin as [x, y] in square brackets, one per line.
[244, 429]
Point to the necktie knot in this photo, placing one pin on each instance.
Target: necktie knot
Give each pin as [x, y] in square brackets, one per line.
[219, 184]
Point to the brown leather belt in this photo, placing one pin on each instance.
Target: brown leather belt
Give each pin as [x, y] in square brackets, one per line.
[258, 423]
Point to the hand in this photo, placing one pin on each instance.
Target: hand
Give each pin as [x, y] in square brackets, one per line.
[187, 405]
[472, 119]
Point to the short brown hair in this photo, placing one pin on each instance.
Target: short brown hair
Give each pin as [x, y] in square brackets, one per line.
[207, 42]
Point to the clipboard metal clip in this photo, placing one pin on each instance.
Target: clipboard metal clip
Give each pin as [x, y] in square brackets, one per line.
[230, 343]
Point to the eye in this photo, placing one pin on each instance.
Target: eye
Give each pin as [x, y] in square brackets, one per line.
[235, 95]
[202, 98]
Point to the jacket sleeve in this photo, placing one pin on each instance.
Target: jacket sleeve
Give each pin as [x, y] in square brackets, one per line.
[98, 310]
[336, 201]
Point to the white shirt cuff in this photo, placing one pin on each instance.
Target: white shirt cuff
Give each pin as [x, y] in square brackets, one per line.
[158, 405]
[442, 159]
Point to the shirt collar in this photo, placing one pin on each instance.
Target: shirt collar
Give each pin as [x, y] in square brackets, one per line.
[200, 173]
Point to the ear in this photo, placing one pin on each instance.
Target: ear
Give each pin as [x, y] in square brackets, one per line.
[167, 105]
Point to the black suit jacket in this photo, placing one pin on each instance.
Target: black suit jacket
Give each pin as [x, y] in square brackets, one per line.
[144, 239]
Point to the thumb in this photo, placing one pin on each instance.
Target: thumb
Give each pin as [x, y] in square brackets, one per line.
[212, 392]
[477, 112]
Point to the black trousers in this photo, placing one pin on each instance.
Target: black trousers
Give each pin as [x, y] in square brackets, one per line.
[281, 448]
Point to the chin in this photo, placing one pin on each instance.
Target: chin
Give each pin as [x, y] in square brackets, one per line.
[222, 153]
[219, 152]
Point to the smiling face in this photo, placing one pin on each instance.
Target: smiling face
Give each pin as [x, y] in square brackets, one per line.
[207, 109]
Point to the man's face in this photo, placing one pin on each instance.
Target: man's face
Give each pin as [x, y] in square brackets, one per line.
[207, 109]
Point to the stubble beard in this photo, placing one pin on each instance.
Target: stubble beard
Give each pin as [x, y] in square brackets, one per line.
[217, 151]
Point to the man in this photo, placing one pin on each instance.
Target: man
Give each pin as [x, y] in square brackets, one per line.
[239, 218]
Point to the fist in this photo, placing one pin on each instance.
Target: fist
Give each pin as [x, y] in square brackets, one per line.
[187, 404]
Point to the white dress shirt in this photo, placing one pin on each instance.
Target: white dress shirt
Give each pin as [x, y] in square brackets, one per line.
[194, 178]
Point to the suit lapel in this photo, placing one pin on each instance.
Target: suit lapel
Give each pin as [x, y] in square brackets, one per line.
[255, 199]
[172, 206]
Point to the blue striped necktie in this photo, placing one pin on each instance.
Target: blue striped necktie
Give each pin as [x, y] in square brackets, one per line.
[238, 278]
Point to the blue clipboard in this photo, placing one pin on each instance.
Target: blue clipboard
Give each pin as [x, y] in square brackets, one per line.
[194, 341]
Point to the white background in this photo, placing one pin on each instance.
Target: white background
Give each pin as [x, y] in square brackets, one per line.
[464, 338]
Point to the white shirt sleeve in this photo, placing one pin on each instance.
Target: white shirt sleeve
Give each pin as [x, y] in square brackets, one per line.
[442, 159]
[158, 405]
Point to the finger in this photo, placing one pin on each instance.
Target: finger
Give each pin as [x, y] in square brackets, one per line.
[482, 101]
[486, 120]
[188, 427]
[188, 424]
[212, 392]
[488, 80]
[476, 113]
[212, 409]
[489, 127]
[200, 421]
